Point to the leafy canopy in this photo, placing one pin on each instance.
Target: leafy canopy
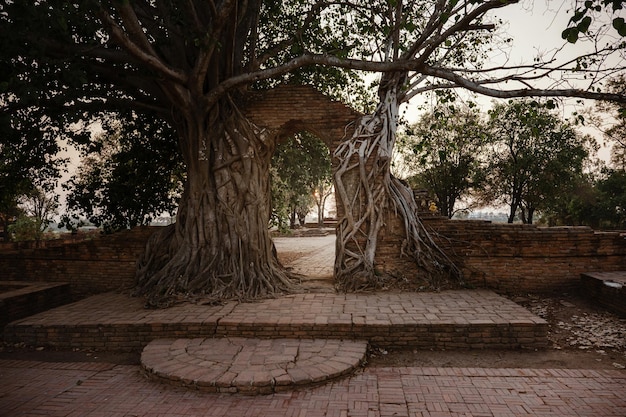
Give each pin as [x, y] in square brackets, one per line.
[535, 156]
[443, 151]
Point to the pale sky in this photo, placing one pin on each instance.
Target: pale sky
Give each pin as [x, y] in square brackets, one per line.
[535, 27]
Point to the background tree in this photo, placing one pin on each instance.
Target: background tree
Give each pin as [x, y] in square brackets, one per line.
[615, 134]
[599, 203]
[612, 201]
[534, 158]
[28, 162]
[193, 63]
[127, 175]
[39, 206]
[323, 190]
[302, 164]
[443, 151]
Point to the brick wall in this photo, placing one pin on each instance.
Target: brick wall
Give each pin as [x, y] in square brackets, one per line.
[513, 258]
[101, 264]
[507, 258]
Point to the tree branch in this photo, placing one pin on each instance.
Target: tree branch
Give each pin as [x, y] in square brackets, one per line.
[477, 87]
[151, 61]
[400, 65]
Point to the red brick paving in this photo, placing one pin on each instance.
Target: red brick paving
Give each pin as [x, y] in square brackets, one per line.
[99, 390]
[446, 320]
[251, 366]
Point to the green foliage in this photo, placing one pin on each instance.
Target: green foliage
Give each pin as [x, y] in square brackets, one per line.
[127, 177]
[535, 158]
[583, 17]
[24, 229]
[612, 189]
[300, 166]
[615, 135]
[442, 151]
[596, 202]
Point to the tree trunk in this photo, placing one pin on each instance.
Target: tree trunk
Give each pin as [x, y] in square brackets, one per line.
[368, 191]
[512, 211]
[219, 247]
[292, 218]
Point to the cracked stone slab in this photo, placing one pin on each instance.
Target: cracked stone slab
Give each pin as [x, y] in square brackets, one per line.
[249, 365]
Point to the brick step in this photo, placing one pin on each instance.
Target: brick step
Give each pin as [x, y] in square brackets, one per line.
[607, 289]
[463, 319]
[251, 366]
[20, 299]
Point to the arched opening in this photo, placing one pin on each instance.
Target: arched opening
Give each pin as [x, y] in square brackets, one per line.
[303, 207]
[291, 109]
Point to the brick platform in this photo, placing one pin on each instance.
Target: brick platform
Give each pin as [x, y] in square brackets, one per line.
[447, 320]
[607, 289]
[19, 299]
[251, 366]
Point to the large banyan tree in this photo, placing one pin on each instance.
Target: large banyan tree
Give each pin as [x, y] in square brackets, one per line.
[193, 63]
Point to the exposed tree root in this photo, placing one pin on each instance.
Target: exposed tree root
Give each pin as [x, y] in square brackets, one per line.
[219, 248]
[170, 271]
[367, 190]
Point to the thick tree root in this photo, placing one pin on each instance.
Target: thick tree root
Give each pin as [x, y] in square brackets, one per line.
[368, 192]
[169, 273]
[219, 248]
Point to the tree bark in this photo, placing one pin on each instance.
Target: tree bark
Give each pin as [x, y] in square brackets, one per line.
[219, 247]
[368, 191]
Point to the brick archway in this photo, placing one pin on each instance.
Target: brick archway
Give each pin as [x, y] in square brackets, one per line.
[289, 109]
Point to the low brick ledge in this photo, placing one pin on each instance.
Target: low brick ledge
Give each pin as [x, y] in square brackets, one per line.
[476, 319]
[250, 366]
[608, 289]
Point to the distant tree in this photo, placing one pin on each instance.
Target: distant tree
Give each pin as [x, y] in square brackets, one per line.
[598, 202]
[302, 166]
[535, 156]
[25, 164]
[128, 177]
[323, 191]
[24, 229]
[36, 209]
[41, 205]
[612, 189]
[615, 135]
[443, 151]
[580, 207]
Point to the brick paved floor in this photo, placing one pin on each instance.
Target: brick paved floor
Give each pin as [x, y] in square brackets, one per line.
[449, 319]
[97, 390]
[251, 366]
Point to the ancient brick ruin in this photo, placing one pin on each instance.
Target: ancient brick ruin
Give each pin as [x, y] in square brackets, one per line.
[508, 258]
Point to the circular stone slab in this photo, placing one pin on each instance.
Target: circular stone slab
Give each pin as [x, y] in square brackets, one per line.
[251, 366]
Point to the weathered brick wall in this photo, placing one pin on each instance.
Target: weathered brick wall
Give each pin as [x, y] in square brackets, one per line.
[513, 258]
[289, 109]
[507, 258]
[101, 264]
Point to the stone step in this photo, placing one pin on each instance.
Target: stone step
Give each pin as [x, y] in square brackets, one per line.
[250, 366]
[464, 319]
[607, 289]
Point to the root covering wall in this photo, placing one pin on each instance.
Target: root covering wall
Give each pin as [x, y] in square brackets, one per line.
[507, 258]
